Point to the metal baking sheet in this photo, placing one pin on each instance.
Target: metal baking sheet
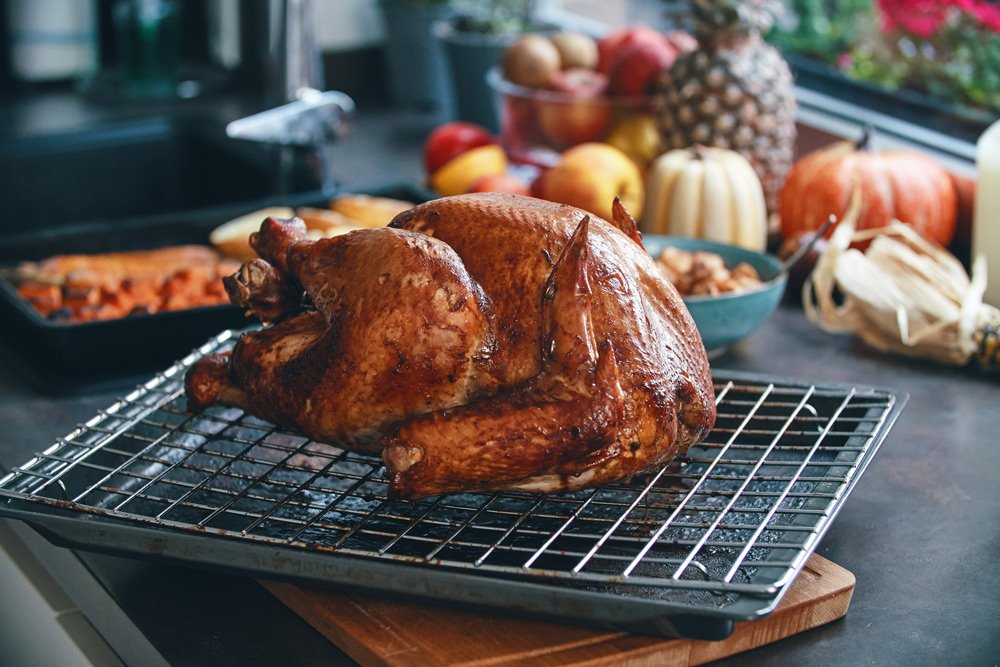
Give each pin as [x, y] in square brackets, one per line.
[714, 537]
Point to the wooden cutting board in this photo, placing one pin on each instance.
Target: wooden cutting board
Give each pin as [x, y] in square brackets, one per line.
[399, 633]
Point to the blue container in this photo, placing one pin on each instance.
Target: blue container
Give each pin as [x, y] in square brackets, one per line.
[727, 318]
[469, 56]
[418, 72]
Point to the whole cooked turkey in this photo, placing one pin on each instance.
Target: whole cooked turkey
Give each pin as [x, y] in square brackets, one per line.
[480, 342]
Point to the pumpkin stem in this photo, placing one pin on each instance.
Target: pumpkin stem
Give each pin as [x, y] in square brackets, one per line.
[867, 140]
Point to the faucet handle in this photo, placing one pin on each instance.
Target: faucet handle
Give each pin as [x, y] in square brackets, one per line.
[314, 120]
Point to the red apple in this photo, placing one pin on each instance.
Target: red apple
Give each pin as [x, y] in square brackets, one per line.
[579, 82]
[451, 140]
[519, 126]
[518, 117]
[616, 40]
[575, 121]
[583, 114]
[636, 67]
[501, 183]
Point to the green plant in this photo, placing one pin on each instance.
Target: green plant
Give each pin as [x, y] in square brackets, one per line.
[948, 49]
[821, 28]
[498, 17]
[955, 56]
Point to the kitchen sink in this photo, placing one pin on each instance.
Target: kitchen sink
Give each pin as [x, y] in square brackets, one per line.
[129, 170]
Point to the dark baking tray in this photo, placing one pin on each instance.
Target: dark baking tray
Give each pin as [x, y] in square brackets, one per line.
[63, 358]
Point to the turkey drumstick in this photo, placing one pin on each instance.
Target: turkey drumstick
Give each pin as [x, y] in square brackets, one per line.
[396, 330]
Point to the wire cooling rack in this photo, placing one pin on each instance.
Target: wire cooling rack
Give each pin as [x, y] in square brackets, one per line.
[715, 536]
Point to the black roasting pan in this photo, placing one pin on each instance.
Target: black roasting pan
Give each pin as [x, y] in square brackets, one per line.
[56, 356]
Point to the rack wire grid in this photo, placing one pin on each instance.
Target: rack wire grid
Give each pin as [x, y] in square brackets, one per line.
[719, 533]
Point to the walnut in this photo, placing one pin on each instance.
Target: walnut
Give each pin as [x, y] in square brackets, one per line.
[703, 273]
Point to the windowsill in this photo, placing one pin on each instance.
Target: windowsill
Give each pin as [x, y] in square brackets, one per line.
[843, 119]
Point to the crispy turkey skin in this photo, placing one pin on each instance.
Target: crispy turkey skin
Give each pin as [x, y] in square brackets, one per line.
[480, 342]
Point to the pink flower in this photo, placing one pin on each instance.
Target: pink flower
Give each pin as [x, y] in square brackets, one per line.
[921, 18]
[845, 60]
[988, 13]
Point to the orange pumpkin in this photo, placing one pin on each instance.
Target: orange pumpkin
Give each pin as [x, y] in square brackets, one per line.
[903, 184]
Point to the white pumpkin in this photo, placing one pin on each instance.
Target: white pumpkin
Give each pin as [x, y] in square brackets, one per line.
[709, 193]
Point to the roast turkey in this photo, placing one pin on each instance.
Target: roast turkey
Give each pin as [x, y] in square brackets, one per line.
[480, 342]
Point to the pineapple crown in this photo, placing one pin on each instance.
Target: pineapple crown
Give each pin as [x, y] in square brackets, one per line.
[714, 17]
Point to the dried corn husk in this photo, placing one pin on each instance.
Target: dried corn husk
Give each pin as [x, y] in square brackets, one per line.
[903, 294]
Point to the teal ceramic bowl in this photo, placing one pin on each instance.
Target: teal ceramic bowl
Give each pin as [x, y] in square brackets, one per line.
[725, 319]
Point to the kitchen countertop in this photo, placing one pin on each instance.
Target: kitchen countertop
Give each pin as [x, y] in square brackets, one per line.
[921, 532]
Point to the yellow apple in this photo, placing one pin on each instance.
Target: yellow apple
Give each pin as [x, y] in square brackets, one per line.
[590, 176]
[638, 136]
[460, 173]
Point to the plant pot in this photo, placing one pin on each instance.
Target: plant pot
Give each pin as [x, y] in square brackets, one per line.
[418, 73]
[912, 106]
[469, 56]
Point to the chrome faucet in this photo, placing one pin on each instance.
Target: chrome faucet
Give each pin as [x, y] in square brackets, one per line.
[279, 47]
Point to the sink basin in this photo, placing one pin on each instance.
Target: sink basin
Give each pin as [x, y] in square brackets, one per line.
[136, 169]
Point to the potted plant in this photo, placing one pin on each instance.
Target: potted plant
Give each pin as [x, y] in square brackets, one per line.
[415, 59]
[925, 61]
[474, 39]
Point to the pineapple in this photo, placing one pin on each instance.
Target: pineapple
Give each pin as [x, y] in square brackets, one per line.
[734, 92]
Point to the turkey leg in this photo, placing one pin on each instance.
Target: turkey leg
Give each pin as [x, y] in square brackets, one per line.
[399, 328]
